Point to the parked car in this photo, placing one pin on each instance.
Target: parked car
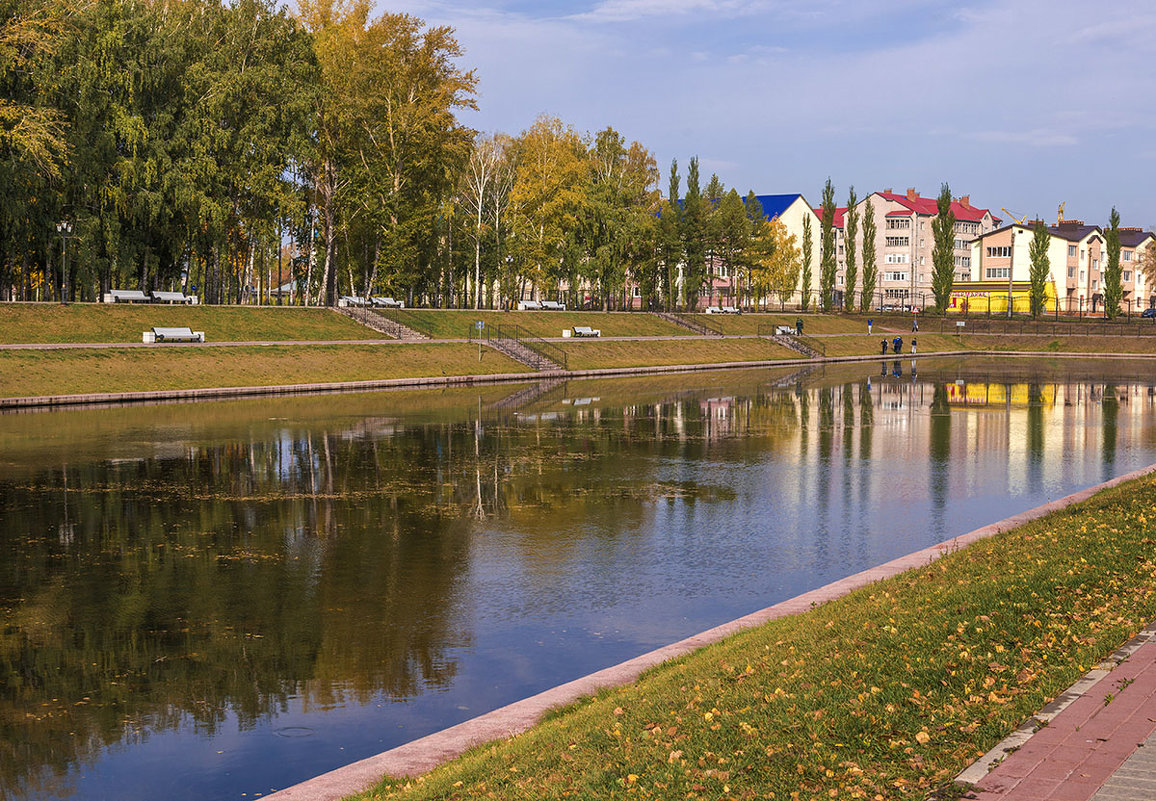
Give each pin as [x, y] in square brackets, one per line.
[1148, 313]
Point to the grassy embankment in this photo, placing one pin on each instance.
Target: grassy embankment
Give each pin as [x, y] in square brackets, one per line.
[886, 693]
[76, 372]
[45, 323]
[459, 324]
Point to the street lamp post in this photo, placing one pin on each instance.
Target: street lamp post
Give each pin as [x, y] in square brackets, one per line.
[1011, 269]
[65, 230]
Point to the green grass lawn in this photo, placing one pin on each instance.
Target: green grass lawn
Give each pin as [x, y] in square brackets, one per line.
[456, 324]
[886, 693]
[740, 324]
[22, 323]
[589, 354]
[71, 372]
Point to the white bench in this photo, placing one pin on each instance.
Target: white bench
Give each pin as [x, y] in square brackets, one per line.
[714, 310]
[552, 305]
[174, 297]
[582, 331]
[783, 330]
[529, 305]
[173, 334]
[388, 303]
[125, 296]
[729, 310]
[352, 300]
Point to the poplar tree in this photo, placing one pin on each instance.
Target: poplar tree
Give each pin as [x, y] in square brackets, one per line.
[669, 240]
[827, 262]
[1040, 268]
[870, 269]
[693, 237]
[942, 256]
[850, 229]
[808, 252]
[1113, 288]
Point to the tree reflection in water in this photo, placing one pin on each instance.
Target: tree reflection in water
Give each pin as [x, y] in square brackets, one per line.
[171, 567]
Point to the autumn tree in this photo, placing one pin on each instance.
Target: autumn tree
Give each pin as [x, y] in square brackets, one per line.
[942, 255]
[1040, 268]
[870, 268]
[1113, 286]
[779, 264]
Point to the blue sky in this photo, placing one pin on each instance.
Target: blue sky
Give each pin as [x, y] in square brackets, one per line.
[1019, 103]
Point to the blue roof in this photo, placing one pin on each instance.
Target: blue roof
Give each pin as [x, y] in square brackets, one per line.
[775, 205]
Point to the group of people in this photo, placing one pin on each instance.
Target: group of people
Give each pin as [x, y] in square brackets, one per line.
[897, 345]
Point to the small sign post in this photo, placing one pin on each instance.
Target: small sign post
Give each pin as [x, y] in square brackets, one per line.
[959, 324]
[480, 324]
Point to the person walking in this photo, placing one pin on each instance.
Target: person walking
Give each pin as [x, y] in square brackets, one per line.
[884, 346]
[869, 323]
[914, 324]
[798, 326]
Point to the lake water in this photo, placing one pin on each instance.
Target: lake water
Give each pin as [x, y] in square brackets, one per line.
[217, 600]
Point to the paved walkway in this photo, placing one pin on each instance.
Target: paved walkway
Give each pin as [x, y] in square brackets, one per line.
[1094, 743]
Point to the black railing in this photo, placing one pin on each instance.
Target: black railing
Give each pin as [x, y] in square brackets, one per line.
[771, 330]
[697, 324]
[399, 318]
[994, 325]
[547, 353]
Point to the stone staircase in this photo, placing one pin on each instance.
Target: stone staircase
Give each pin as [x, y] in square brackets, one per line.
[689, 324]
[381, 321]
[796, 344]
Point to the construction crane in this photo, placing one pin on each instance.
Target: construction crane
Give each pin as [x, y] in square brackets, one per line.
[1017, 220]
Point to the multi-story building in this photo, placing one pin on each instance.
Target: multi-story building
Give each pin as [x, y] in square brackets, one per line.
[904, 244]
[1077, 253]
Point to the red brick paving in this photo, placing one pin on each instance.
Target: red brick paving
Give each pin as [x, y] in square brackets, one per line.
[1072, 757]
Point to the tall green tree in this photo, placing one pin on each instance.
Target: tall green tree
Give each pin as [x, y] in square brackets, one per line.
[942, 254]
[670, 242]
[850, 235]
[1040, 268]
[694, 235]
[1113, 286]
[734, 235]
[827, 260]
[870, 268]
[808, 253]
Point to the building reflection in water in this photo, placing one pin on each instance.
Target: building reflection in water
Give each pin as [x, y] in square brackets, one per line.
[163, 574]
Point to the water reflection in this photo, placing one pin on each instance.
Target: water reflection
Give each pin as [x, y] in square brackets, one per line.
[215, 573]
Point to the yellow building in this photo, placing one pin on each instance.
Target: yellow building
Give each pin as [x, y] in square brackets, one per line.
[991, 297]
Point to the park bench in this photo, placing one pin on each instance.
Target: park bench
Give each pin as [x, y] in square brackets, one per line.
[352, 300]
[173, 334]
[529, 305]
[729, 310]
[582, 331]
[125, 296]
[552, 305]
[388, 303]
[783, 330]
[174, 297]
[714, 310]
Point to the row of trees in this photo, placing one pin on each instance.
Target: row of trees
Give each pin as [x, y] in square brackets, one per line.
[229, 148]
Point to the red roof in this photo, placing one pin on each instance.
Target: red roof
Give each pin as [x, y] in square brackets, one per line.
[928, 206]
[839, 212]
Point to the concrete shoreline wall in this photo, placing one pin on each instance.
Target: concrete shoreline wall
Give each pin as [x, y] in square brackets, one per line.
[424, 754]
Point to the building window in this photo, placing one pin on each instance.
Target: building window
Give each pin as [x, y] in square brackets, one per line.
[1082, 276]
[961, 244]
[894, 276]
[999, 252]
[997, 272]
[1094, 284]
[963, 261]
[1126, 255]
[898, 241]
[1127, 275]
[637, 292]
[1071, 272]
[921, 260]
[902, 224]
[895, 293]
[1071, 251]
[896, 258]
[1095, 264]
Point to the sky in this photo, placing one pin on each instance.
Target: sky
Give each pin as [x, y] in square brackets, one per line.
[1017, 103]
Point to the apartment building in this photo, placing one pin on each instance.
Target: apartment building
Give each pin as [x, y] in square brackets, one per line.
[904, 244]
[1077, 253]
